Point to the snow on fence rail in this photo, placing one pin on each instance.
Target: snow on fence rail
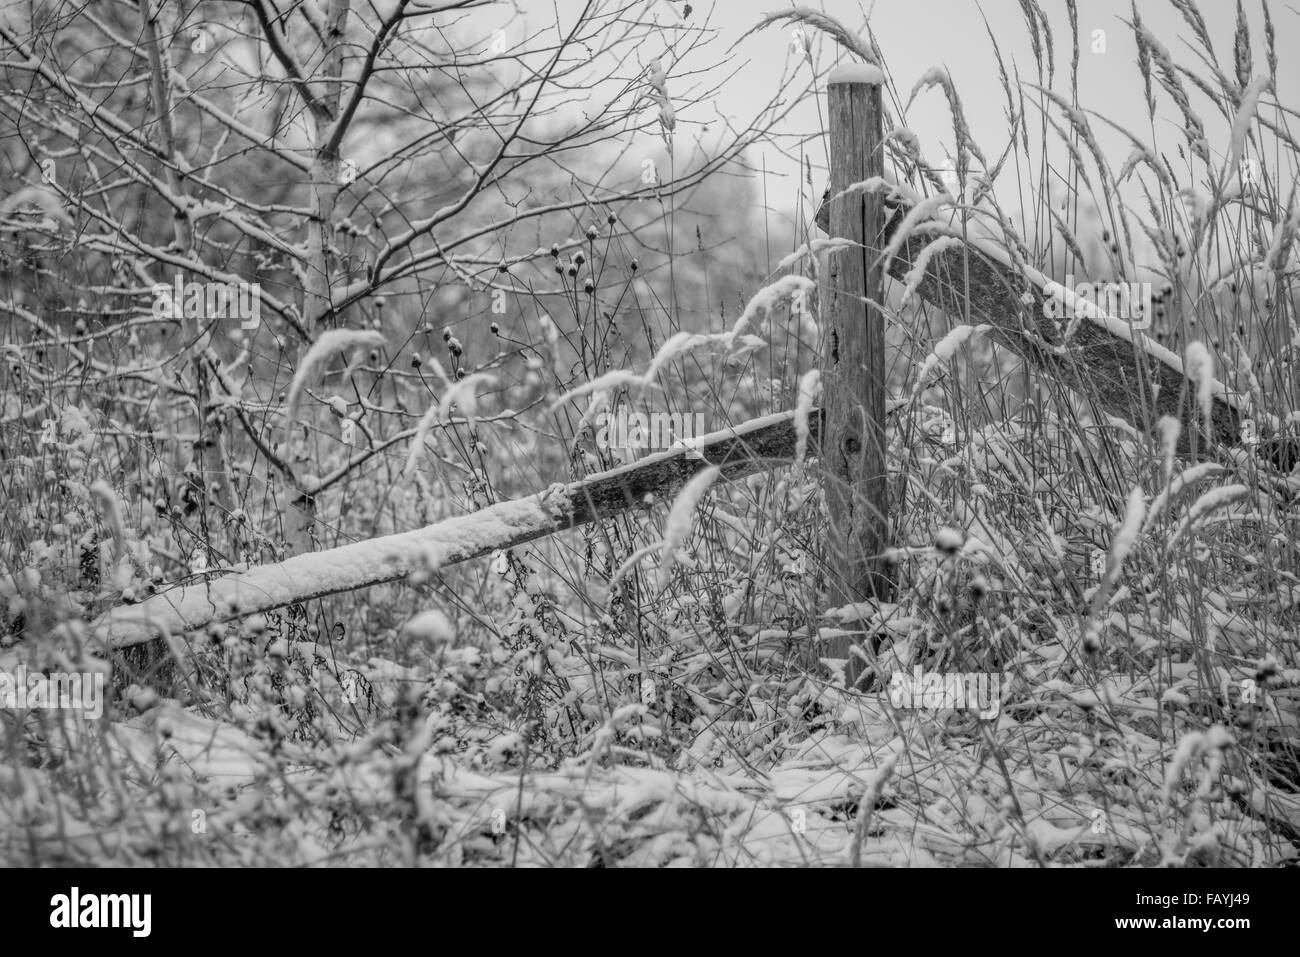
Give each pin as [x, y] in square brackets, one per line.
[737, 451]
[1122, 370]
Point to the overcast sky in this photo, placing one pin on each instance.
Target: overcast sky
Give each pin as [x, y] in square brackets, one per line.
[916, 35]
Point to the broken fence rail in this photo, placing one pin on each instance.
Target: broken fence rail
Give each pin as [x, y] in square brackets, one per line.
[738, 451]
[1119, 368]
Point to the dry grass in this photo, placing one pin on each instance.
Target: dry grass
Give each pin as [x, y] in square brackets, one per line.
[1141, 611]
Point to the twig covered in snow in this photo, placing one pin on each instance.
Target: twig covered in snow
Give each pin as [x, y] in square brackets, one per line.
[944, 350]
[1241, 123]
[111, 507]
[810, 386]
[766, 298]
[814, 248]
[680, 343]
[841, 34]
[330, 344]
[1200, 369]
[463, 394]
[678, 527]
[917, 272]
[921, 212]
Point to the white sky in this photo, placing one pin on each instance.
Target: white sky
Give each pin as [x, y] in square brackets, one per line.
[916, 35]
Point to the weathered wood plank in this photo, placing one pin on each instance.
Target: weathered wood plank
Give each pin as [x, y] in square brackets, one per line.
[1130, 378]
[737, 451]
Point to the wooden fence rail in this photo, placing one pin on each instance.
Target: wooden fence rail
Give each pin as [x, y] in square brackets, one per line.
[738, 452]
[1114, 366]
[1123, 371]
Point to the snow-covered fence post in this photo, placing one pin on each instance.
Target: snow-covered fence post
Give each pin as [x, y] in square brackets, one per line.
[853, 360]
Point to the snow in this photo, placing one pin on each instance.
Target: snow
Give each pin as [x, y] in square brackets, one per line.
[1215, 498]
[369, 562]
[917, 272]
[1241, 123]
[814, 248]
[1193, 745]
[944, 350]
[432, 627]
[810, 386]
[323, 573]
[948, 540]
[919, 212]
[464, 395]
[1200, 369]
[207, 748]
[679, 343]
[325, 348]
[1187, 477]
[894, 190]
[857, 73]
[766, 298]
[678, 526]
[601, 385]
[1073, 305]
[1127, 535]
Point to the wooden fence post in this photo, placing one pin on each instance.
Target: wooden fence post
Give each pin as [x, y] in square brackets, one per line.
[853, 360]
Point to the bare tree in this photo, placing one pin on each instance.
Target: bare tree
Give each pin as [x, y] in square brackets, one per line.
[343, 170]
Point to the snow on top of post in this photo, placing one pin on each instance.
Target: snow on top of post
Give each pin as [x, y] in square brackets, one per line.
[857, 73]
